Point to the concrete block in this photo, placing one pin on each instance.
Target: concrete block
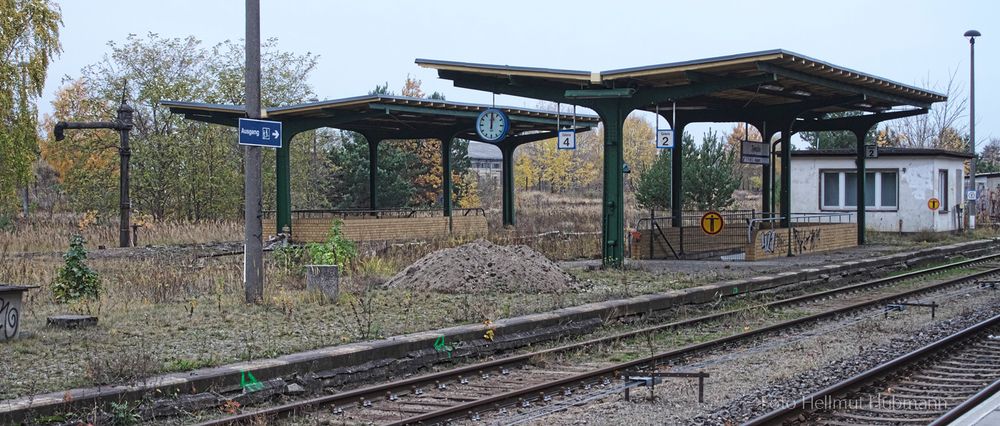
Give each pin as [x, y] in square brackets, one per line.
[71, 321]
[324, 278]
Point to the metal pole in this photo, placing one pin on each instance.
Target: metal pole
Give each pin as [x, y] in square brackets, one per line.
[253, 258]
[125, 153]
[971, 204]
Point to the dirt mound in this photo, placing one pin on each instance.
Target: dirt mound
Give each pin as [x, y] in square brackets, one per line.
[484, 267]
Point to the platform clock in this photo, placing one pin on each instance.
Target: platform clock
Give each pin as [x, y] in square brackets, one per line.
[492, 125]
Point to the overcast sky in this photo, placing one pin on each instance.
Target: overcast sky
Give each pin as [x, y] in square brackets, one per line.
[364, 43]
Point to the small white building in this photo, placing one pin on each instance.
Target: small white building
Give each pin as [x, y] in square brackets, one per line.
[898, 187]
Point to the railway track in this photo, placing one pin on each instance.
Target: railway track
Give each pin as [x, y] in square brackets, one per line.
[555, 378]
[918, 388]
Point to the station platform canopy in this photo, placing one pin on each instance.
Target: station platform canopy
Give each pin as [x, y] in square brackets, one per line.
[777, 91]
[388, 117]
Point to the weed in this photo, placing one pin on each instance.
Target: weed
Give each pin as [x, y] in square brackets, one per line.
[127, 364]
[336, 250]
[123, 414]
[76, 280]
[363, 310]
[289, 259]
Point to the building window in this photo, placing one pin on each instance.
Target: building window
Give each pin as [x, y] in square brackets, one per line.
[839, 190]
[942, 190]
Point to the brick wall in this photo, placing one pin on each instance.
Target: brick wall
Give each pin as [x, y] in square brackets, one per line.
[765, 244]
[805, 239]
[315, 229]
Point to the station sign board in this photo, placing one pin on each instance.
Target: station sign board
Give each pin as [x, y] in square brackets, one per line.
[754, 153]
[260, 133]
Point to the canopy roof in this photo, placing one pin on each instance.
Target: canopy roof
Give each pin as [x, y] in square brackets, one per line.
[789, 78]
[883, 152]
[386, 116]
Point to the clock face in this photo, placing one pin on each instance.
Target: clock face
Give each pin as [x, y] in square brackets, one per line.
[492, 125]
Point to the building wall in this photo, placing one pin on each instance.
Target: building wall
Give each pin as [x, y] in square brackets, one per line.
[918, 182]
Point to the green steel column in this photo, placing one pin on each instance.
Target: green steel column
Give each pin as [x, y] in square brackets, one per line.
[861, 171]
[786, 177]
[446, 174]
[372, 172]
[676, 176]
[613, 225]
[507, 182]
[283, 185]
[765, 177]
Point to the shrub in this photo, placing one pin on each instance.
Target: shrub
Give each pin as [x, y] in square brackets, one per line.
[7, 223]
[75, 279]
[336, 250]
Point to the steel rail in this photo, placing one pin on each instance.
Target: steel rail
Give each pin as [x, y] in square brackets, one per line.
[478, 406]
[967, 405]
[380, 390]
[877, 372]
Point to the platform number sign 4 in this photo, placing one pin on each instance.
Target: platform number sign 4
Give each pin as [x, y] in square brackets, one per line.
[664, 138]
[567, 139]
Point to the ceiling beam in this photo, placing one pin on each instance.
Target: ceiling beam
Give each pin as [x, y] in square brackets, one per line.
[837, 85]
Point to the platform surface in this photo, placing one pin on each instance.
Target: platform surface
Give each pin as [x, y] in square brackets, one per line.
[985, 414]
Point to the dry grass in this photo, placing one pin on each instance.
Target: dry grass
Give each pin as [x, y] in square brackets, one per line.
[51, 233]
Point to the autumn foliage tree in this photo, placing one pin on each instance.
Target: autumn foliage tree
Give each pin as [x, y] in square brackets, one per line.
[29, 39]
[180, 168]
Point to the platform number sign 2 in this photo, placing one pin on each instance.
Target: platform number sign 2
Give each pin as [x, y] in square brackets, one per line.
[871, 151]
[665, 138]
[567, 139]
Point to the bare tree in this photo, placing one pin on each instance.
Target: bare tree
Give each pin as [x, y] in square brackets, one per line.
[944, 126]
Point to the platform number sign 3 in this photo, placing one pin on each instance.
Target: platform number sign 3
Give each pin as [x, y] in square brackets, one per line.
[567, 139]
[664, 138]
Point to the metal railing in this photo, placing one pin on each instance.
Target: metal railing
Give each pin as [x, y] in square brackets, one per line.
[771, 219]
[378, 213]
[690, 242]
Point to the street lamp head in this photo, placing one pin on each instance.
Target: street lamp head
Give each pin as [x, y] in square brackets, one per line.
[972, 33]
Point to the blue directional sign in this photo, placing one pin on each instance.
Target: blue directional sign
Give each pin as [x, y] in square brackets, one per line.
[260, 133]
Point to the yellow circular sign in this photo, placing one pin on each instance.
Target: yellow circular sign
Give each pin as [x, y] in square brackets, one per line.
[712, 223]
[933, 203]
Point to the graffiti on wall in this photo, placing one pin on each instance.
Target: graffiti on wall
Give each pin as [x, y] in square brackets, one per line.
[9, 319]
[802, 241]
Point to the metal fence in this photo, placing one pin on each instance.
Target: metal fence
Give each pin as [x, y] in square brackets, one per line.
[656, 238]
[378, 213]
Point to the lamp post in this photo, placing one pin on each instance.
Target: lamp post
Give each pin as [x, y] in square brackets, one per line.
[971, 206]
